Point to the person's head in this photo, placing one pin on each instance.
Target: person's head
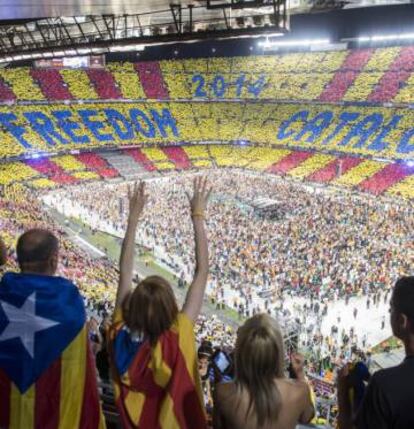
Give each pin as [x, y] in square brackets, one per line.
[402, 309]
[38, 252]
[204, 353]
[151, 308]
[259, 359]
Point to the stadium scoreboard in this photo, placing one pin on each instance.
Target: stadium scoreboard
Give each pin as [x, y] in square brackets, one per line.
[87, 61]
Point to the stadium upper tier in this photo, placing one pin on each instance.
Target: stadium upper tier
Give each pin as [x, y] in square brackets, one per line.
[357, 130]
[361, 75]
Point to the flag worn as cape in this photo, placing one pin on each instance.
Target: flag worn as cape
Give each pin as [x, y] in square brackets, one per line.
[47, 372]
[157, 387]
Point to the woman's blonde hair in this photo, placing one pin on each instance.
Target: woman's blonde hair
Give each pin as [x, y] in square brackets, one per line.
[151, 308]
[259, 359]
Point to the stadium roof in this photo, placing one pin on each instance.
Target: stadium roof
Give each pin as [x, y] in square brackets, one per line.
[29, 26]
[47, 28]
[29, 9]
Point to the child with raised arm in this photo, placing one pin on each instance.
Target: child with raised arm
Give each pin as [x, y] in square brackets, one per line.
[152, 344]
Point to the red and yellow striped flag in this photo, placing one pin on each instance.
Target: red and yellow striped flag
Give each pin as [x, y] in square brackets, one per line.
[64, 397]
[47, 370]
[157, 387]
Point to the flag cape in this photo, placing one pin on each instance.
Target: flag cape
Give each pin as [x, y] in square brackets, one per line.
[157, 387]
[47, 372]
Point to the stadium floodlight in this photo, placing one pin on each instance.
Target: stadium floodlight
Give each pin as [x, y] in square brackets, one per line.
[386, 37]
[116, 48]
[126, 48]
[83, 51]
[98, 50]
[293, 43]
[382, 38]
[406, 36]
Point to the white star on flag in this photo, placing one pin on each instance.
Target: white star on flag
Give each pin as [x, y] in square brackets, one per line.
[23, 323]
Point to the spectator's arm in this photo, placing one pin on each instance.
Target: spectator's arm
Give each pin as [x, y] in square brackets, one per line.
[195, 294]
[309, 409]
[137, 200]
[3, 253]
[345, 411]
[298, 367]
[344, 402]
[218, 421]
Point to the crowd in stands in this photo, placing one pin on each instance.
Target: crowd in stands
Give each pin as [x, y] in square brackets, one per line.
[96, 279]
[360, 75]
[330, 253]
[338, 225]
[368, 131]
[20, 211]
[319, 247]
[372, 176]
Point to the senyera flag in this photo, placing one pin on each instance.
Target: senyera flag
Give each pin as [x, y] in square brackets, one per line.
[157, 387]
[47, 372]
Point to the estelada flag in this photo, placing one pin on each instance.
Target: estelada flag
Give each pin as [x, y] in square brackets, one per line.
[157, 387]
[47, 372]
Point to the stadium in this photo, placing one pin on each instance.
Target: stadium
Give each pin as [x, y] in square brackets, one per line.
[300, 117]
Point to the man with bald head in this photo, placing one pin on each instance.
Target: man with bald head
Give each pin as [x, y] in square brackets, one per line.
[47, 370]
[38, 252]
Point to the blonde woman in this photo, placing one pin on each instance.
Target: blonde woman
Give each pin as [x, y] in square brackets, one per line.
[261, 397]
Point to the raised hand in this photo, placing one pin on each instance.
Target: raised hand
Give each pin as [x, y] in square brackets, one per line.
[137, 200]
[201, 194]
[195, 294]
[343, 377]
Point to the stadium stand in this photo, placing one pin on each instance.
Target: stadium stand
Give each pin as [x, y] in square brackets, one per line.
[96, 163]
[152, 80]
[297, 127]
[374, 75]
[79, 84]
[178, 157]
[50, 169]
[364, 131]
[51, 84]
[372, 176]
[22, 84]
[108, 125]
[127, 80]
[16, 172]
[140, 157]
[123, 163]
[104, 84]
